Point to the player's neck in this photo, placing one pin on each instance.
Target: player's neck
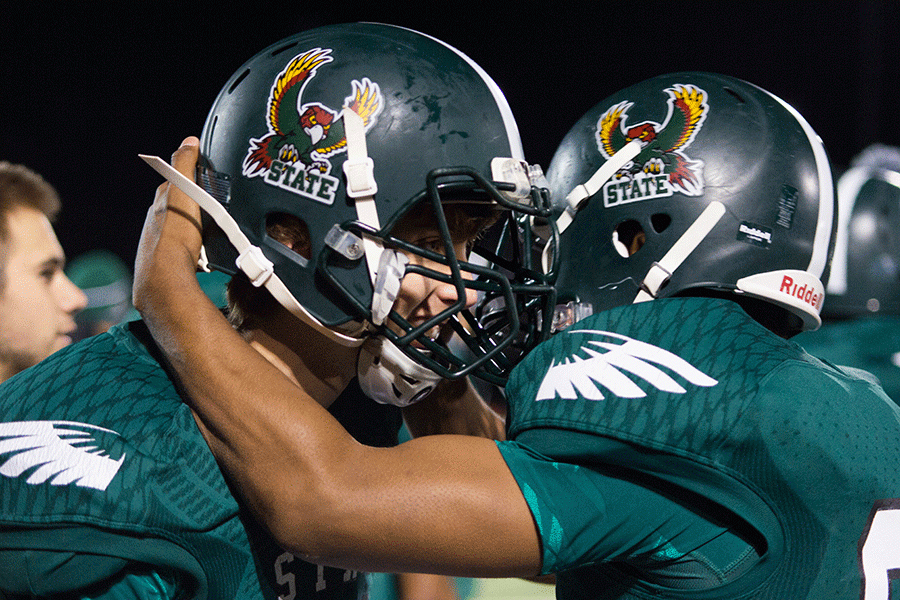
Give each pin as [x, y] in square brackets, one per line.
[321, 367]
[8, 368]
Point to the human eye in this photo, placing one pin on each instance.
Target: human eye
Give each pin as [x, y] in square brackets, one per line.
[48, 271]
[432, 244]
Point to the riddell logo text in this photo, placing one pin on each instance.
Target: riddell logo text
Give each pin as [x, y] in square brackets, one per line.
[801, 292]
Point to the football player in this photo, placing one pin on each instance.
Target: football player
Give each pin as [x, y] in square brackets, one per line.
[350, 172]
[669, 441]
[861, 319]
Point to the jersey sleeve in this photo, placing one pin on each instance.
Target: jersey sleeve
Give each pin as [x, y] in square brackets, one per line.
[97, 577]
[137, 586]
[585, 517]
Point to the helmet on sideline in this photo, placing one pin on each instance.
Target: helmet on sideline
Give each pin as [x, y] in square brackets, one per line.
[693, 183]
[865, 274]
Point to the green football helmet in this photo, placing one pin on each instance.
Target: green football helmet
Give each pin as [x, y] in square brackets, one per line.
[347, 127]
[865, 276]
[692, 183]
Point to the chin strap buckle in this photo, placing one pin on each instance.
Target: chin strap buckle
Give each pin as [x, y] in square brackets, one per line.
[253, 262]
[660, 272]
[576, 198]
[656, 277]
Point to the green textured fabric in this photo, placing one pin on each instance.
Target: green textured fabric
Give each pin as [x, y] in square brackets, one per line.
[102, 463]
[871, 344]
[587, 516]
[693, 400]
[137, 586]
[107, 578]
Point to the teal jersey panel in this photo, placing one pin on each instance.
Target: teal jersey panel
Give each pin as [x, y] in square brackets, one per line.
[871, 344]
[694, 401]
[588, 516]
[103, 470]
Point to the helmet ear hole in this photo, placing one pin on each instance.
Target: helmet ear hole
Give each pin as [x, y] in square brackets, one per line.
[628, 238]
[290, 231]
[660, 222]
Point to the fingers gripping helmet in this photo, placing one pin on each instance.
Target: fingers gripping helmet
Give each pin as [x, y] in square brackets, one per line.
[865, 275]
[707, 182]
[346, 128]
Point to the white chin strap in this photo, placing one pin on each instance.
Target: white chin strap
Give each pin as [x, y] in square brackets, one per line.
[800, 292]
[390, 377]
[359, 170]
[662, 270]
[578, 197]
[250, 258]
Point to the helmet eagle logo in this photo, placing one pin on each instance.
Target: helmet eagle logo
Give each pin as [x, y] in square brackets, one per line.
[661, 168]
[302, 135]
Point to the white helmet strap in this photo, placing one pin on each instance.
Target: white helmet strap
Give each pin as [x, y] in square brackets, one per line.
[662, 270]
[359, 170]
[581, 193]
[577, 198]
[250, 258]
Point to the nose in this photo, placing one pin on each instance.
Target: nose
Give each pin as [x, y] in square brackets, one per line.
[446, 294]
[69, 296]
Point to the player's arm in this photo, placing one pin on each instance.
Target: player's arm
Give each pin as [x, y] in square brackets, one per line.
[456, 406]
[422, 586]
[445, 504]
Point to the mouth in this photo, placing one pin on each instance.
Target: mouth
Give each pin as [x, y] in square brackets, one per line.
[435, 334]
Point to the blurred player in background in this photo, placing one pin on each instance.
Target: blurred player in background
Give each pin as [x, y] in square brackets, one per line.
[106, 281]
[38, 303]
[861, 317]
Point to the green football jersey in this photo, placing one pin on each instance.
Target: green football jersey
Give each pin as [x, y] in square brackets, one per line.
[103, 472]
[641, 433]
[870, 343]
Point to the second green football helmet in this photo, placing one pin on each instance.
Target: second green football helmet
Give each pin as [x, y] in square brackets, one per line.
[710, 183]
[865, 278]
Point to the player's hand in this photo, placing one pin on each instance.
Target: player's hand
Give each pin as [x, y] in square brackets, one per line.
[171, 239]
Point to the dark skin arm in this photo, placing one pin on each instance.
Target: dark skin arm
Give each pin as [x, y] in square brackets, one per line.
[442, 504]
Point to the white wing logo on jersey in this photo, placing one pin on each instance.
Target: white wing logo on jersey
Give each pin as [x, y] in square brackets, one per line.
[61, 451]
[585, 376]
